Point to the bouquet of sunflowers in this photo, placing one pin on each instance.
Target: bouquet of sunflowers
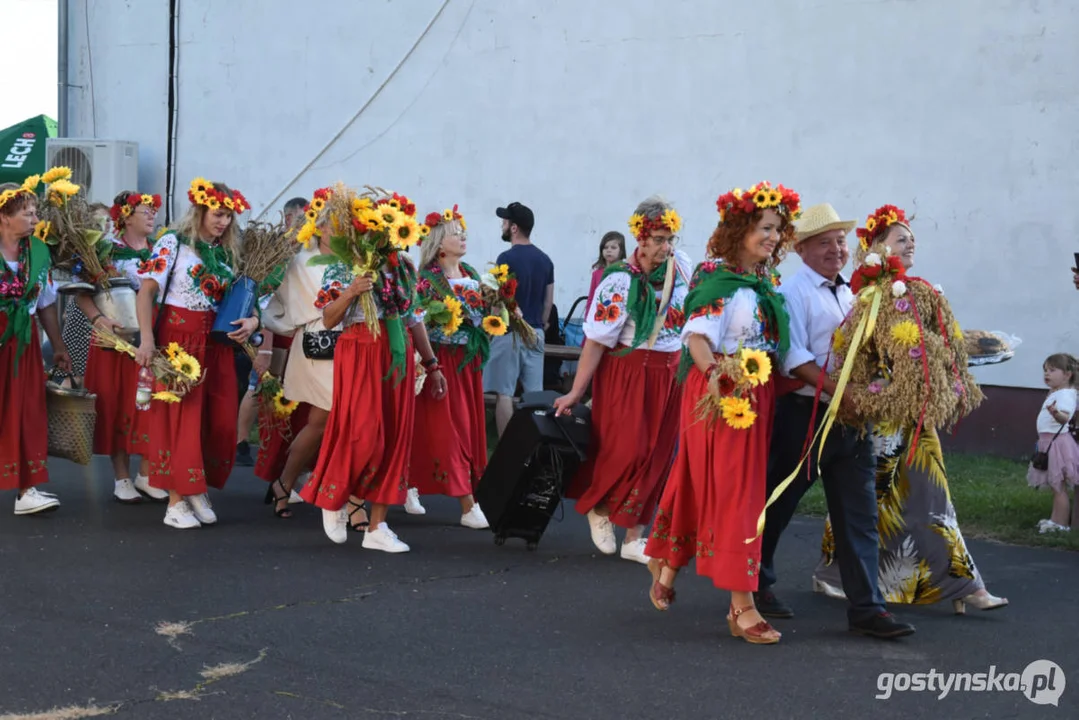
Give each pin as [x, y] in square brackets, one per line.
[499, 288]
[900, 351]
[174, 369]
[446, 314]
[731, 381]
[367, 230]
[274, 409]
[75, 238]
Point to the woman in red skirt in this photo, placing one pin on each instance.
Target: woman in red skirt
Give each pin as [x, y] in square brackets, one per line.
[632, 330]
[716, 490]
[25, 291]
[191, 441]
[112, 376]
[449, 448]
[365, 450]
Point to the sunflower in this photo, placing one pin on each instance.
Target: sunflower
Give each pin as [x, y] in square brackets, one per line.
[871, 224]
[760, 198]
[906, 333]
[756, 366]
[146, 199]
[425, 230]
[213, 203]
[126, 210]
[229, 204]
[405, 232]
[42, 230]
[64, 187]
[774, 198]
[501, 273]
[282, 406]
[672, 220]
[359, 206]
[461, 219]
[201, 185]
[317, 204]
[493, 325]
[186, 365]
[636, 224]
[737, 412]
[388, 215]
[306, 234]
[56, 173]
[173, 350]
[166, 396]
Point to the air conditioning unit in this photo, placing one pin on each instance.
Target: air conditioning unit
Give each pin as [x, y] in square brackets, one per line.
[102, 167]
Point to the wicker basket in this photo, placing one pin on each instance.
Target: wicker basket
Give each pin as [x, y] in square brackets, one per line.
[72, 416]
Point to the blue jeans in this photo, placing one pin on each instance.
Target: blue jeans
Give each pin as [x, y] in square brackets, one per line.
[848, 473]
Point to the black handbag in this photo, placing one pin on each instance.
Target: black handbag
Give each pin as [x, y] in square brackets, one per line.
[320, 345]
[1040, 460]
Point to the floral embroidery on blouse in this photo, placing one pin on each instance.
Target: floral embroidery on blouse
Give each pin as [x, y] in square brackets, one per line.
[711, 311]
[335, 279]
[192, 287]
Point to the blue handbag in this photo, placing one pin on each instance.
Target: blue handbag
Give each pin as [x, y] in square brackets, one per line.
[573, 328]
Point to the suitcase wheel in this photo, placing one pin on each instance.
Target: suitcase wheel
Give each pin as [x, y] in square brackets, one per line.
[500, 539]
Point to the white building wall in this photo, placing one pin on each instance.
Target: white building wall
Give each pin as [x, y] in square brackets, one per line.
[963, 112]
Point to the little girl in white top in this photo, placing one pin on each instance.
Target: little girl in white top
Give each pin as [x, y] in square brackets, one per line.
[1061, 373]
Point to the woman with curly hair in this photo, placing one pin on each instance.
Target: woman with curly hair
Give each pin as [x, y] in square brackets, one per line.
[632, 329]
[189, 269]
[716, 490]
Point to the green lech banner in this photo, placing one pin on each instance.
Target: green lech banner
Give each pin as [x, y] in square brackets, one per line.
[22, 148]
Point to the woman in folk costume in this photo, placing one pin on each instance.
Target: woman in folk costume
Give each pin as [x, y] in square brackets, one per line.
[365, 452]
[111, 375]
[449, 448]
[26, 291]
[295, 312]
[190, 267]
[632, 347]
[736, 326]
[923, 558]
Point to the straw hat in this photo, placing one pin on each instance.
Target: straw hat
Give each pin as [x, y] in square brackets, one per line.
[818, 219]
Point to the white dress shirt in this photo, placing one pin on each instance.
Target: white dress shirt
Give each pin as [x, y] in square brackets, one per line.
[816, 306]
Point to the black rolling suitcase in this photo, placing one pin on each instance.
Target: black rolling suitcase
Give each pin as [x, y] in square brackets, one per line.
[530, 469]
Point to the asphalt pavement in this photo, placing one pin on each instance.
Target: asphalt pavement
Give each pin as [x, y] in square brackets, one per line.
[104, 607]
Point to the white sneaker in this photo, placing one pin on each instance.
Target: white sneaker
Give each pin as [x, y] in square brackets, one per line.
[634, 550]
[125, 491]
[1048, 526]
[142, 484]
[33, 501]
[335, 523]
[475, 518]
[602, 532]
[384, 539]
[200, 505]
[180, 516]
[412, 503]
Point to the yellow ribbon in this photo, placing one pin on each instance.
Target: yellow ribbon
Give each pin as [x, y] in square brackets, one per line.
[862, 333]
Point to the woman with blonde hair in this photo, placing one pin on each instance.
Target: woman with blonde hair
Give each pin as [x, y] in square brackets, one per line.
[189, 269]
[120, 431]
[449, 448]
[27, 296]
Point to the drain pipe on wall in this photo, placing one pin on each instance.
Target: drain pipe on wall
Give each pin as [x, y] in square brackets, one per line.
[62, 63]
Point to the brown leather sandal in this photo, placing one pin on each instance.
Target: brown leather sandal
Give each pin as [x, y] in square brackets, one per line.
[660, 595]
[760, 634]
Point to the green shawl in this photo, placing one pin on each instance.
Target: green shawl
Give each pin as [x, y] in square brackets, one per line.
[714, 282]
[438, 287]
[641, 304]
[35, 257]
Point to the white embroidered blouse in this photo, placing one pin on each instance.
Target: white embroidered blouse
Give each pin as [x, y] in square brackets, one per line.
[191, 288]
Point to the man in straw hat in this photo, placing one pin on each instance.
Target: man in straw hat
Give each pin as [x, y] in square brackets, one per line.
[818, 298]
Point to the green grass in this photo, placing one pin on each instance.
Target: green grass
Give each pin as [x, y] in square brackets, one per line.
[992, 501]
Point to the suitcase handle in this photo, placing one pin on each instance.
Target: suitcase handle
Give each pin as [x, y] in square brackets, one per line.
[552, 413]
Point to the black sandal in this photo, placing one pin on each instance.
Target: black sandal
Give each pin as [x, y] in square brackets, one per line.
[361, 526]
[273, 497]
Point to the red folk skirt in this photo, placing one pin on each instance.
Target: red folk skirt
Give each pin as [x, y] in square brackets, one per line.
[365, 449]
[449, 440]
[716, 492]
[193, 442]
[24, 439]
[114, 378]
[635, 403]
[274, 444]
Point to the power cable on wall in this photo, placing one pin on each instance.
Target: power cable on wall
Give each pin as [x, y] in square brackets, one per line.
[337, 136]
[90, 67]
[174, 63]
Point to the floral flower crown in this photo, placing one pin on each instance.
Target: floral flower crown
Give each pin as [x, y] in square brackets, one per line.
[119, 212]
[877, 224]
[434, 219]
[761, 196]
[642, 225]
[203, 192]
[29, 186]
